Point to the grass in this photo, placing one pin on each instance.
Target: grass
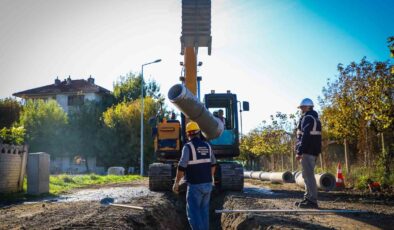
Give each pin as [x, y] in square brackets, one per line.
[358, 176]
[62, 183]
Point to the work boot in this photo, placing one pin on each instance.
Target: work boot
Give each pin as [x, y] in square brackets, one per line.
[297, 203]
[308, 204]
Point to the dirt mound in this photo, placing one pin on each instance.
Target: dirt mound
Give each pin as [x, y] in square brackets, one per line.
[163, 211]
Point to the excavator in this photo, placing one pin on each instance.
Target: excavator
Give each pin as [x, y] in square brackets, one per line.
[216, 115]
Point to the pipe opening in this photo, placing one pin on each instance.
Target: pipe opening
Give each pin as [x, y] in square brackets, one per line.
[326, 181]
[287, 177]
[175, 91]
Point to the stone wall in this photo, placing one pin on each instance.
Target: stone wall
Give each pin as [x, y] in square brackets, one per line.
[12, 167]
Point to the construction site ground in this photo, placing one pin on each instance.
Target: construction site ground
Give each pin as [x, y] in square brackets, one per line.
[80, 209]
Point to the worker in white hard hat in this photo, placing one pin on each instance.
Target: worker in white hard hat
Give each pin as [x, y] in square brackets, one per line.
[308, 149]
[197, 164]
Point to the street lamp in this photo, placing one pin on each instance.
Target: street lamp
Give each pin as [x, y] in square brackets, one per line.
[142, 114]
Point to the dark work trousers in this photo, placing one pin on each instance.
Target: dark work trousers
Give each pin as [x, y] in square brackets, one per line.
[308, 163]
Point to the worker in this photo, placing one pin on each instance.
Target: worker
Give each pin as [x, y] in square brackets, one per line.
[221, 116]
[308, 149]
[173, 116]
[197, 164]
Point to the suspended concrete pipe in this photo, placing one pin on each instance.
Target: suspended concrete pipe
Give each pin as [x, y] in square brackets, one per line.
[274, 177]
[324, 181]
[211, 127]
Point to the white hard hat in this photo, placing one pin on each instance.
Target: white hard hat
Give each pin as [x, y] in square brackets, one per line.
[306, 102]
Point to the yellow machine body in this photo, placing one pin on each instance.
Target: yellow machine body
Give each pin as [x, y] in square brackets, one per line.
[167, 140]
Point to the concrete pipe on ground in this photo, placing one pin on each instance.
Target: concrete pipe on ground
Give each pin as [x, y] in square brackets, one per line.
[324, 181]
[247, 174]
[255, 175]
[211, 127]
[274, 177]
[281, 177]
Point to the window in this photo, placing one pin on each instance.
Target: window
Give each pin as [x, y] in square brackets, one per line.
[75, 100]
[223, 114]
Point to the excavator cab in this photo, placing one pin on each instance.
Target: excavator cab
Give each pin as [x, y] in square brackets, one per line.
[224, 107]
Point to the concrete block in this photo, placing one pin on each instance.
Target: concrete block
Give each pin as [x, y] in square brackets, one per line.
[115, 171]
[38, 173]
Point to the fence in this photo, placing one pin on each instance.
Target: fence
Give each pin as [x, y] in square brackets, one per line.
[12, 167]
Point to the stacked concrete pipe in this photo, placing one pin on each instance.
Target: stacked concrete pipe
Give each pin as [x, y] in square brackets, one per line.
[274, 177]
[324, 181]
[211, 127]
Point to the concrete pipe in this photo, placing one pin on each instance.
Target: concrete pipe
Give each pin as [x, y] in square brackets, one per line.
[277, 177]
[324, 181]
[274, 177]
[211, 127]
[265, 176]
[247, 174]
[255, 175]
[281, 177]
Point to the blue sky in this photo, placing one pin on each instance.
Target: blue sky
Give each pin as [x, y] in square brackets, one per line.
[272, 53]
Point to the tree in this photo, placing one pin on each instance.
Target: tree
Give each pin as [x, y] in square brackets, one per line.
[269, 139]
[84, 128]
[13, 135]
[128, 88]
[359, 102]
[339, 111]
[45, 124]
[390, 42]
[122, 123]
[9, 112]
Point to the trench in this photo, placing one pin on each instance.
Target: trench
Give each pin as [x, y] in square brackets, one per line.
[163, 210]
[166, 210]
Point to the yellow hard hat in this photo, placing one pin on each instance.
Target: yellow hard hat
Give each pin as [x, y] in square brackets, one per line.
[192, 127]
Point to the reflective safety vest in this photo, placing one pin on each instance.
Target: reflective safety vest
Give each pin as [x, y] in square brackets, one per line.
[199, 165]
[314, 131]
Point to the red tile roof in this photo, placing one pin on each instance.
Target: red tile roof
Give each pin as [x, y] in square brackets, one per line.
[66, 87]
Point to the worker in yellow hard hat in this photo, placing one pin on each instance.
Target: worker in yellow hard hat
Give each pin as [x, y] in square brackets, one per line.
[197, 164]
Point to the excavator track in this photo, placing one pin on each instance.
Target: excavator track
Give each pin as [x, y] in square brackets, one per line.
[160, 177]
[231, 176]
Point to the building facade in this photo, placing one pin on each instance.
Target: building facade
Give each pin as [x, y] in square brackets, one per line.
[68, 93]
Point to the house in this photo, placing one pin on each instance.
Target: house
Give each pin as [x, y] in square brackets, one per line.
[68, 93]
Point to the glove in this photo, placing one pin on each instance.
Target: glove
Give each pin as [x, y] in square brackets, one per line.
[175, 188]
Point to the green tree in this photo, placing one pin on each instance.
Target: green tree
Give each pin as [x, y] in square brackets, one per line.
[128, 88]
[390, 42]
[13, 135]
[45, 124]
[269, 139]
[84, 128]
[9, 112]
[122, 123]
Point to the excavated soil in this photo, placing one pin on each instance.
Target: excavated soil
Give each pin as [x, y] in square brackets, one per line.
[167, 211]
